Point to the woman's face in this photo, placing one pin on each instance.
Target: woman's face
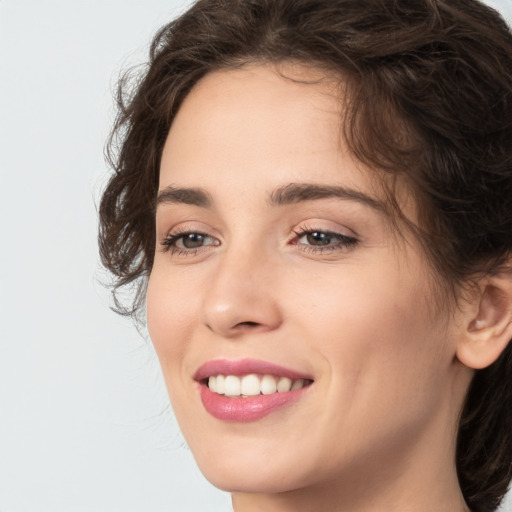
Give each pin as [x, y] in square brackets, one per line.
[276, 261]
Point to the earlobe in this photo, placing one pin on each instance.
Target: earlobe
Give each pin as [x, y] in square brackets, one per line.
[489, 329]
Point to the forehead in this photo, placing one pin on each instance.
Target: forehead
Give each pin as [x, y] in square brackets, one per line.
[260, 127]
[252, 118]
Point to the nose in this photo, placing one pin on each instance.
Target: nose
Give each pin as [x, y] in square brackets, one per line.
[242, 296]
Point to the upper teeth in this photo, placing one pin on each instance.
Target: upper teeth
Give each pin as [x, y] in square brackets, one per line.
[252, 385]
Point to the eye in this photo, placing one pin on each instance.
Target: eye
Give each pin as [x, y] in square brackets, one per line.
[317, 240]
[193, 240]
[188, 242]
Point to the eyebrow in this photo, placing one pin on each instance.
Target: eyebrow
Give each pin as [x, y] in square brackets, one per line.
[193, 196]
[288, 194]
[298, 192]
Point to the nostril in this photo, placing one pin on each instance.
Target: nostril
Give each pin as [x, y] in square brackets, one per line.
[247, 324]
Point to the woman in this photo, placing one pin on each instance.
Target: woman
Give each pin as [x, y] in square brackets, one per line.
[313, 197]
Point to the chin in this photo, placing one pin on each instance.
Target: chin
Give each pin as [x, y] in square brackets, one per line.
[251, 479]
[255, 474]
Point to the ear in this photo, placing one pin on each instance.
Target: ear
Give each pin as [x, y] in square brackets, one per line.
[488, 328]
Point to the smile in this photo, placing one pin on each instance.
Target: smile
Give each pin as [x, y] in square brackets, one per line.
[253, 385]
[247, 390]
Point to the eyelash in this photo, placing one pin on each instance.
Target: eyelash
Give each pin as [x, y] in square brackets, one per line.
[169, 243]
[344, 242]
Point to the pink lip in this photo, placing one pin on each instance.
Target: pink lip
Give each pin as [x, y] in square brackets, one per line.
[249, 408]
[246, 367]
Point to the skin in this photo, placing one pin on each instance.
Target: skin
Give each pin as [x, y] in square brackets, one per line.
[376, 429]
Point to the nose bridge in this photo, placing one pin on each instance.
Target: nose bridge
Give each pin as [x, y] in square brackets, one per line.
[240, 295]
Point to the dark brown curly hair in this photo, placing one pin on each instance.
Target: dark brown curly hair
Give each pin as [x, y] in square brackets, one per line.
[441, 70]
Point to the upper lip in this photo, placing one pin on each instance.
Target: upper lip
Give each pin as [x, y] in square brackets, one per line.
[246, 367]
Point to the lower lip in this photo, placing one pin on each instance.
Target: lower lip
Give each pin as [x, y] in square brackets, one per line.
[246, 409]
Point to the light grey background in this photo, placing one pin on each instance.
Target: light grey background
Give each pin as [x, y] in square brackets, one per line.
[84, 419]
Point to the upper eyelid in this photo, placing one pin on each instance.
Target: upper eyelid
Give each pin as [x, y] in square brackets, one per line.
[309, 226]
[300, 234]
[297, 234]
[342, 238]
[190, 227]
[176, 235]
[303, 227]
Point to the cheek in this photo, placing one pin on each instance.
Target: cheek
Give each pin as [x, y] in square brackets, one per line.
[375, 332]
[169, 306]
[385, 367]
[363, 306]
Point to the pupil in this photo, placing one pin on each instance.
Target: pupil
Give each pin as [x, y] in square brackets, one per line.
[193, 240]
[317, 238]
